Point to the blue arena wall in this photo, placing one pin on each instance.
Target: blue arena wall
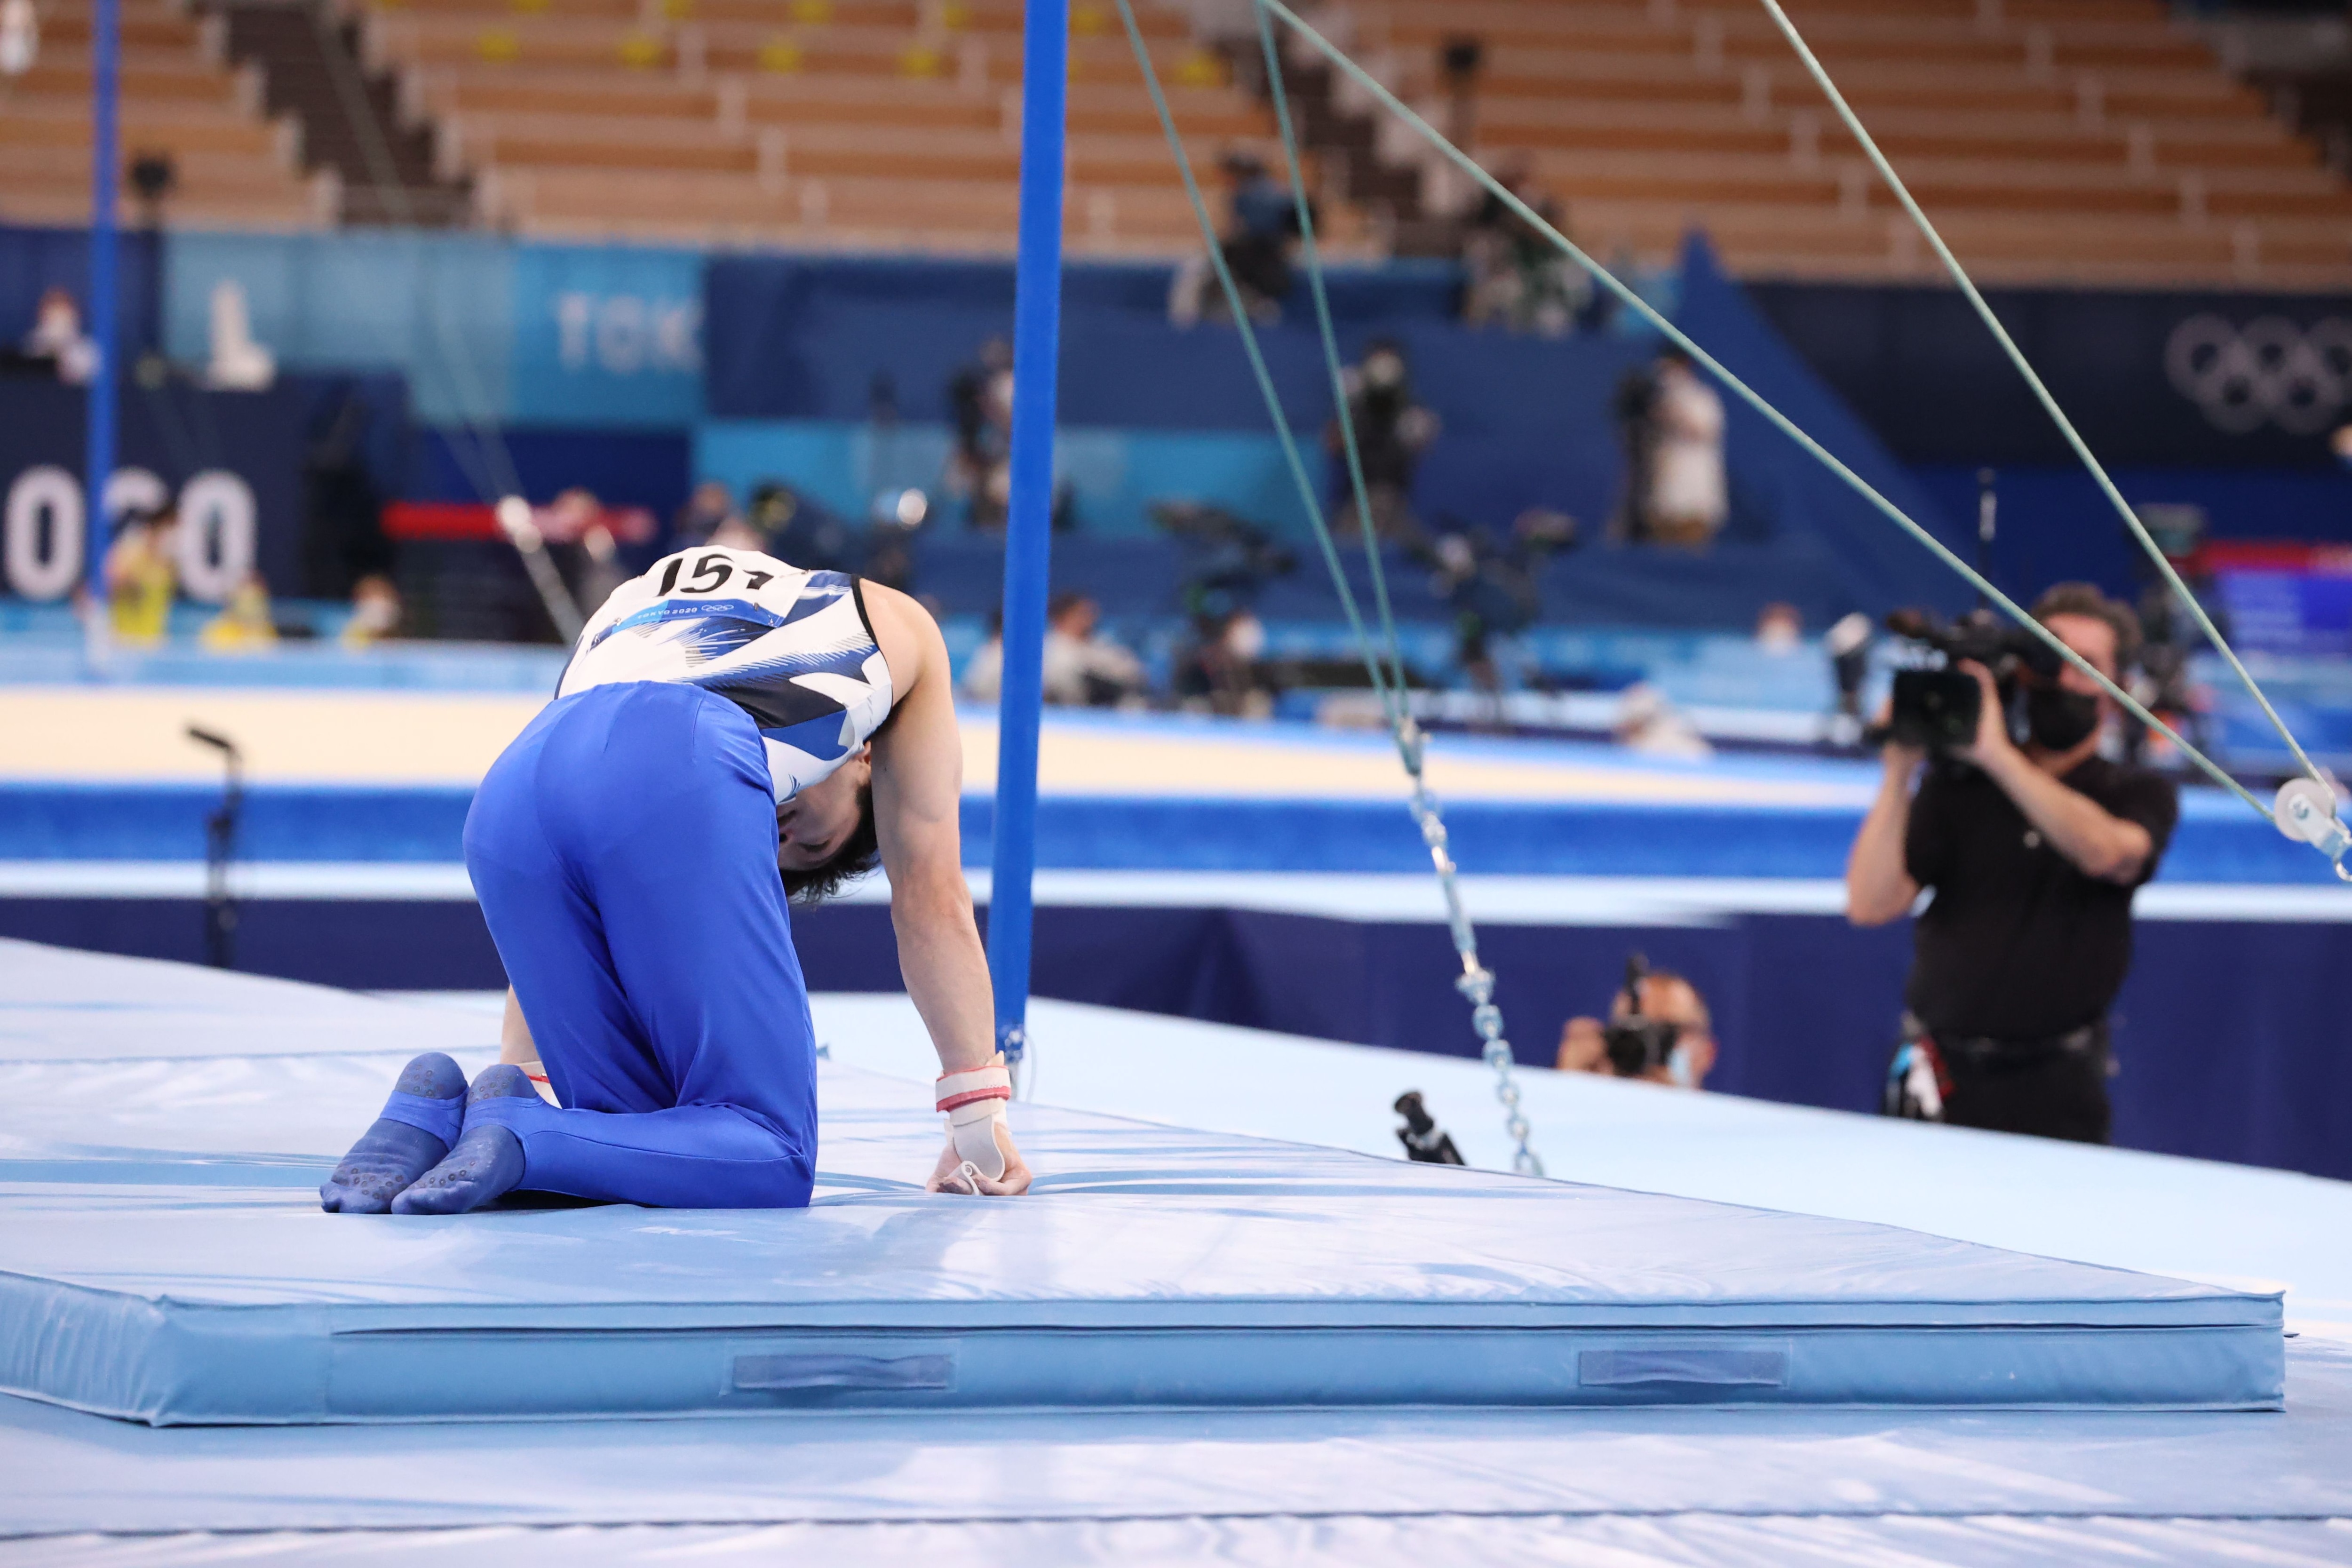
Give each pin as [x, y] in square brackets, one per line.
[485, 329]
[591, 360]
[2126, 364]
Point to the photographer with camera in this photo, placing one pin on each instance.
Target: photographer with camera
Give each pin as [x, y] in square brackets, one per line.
[2033, 852]
[1658, 1031]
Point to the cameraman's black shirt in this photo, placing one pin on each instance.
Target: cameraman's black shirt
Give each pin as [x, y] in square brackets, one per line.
[2018, 944]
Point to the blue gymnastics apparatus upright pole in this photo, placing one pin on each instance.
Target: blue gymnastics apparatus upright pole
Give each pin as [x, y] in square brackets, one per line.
[1029, 523]
[97, 453]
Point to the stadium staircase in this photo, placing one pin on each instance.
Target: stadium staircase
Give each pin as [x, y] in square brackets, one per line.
[350, 119]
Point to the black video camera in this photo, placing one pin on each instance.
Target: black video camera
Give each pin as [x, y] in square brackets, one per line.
[1425, 1142]
[1636, 1045]
[1939, 708]
[1232, 557]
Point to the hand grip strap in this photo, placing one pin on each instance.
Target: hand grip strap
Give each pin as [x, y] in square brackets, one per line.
[974, 1101]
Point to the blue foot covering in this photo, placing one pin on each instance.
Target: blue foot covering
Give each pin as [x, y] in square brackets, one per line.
[418, 1126]
[1151, 1267]
[485, 1162]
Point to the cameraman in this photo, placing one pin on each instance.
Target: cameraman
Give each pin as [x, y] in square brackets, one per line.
[2034, 853]
[1669, 1002]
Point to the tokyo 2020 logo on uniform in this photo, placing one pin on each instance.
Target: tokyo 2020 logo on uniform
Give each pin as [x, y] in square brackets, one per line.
[2268, 372]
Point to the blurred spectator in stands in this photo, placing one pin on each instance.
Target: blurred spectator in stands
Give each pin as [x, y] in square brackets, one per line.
[601, 570]
[576, 524]
[1689, 500]
[1668, 999]
[1671, 422]
[1517, 276]
[708, 509]
[737, 533]
[1648, 723]
[342, 509]
[792, 527]
[983, 675]
[1779, 628]
[20, 38]
[980, 401]
[2161, 678]
[142, 576]
[1084, 666]
[1221, 668]
[375, 612]
[56, 338]
[1391, 433]
[244, 622]
[1634, 407]
[1262, 229]
[890, 542]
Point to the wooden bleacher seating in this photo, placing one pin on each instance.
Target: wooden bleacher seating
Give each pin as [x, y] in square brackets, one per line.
[2050, 140]
[234, 167]
[846, 123]
[2085, 140]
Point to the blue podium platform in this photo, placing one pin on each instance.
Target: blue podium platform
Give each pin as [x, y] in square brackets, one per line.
[162, 1260]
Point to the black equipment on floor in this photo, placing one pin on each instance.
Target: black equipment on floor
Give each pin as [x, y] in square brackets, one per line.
[220, 851]
[1424, 1141]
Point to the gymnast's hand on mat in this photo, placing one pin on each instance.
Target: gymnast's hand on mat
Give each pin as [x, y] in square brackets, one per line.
[951, 1175]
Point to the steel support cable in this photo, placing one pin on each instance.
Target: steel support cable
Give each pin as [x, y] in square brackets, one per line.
[1330, 339]
[1634, 302]
[1477, 982]
[489, 467]
[2041, 391]
[383, 175]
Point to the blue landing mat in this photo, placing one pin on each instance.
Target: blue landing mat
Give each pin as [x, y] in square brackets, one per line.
[1133, 1486]
[1687, 1541]
[163, 1259]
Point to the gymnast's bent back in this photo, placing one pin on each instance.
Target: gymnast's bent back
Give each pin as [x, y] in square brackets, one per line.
[732, 734]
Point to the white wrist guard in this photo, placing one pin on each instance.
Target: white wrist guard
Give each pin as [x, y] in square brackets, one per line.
[974, 1101]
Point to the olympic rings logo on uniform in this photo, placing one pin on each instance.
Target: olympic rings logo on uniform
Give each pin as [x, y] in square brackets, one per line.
[2268, 371]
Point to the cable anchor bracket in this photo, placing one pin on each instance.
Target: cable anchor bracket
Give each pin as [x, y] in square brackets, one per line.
[2305, 811]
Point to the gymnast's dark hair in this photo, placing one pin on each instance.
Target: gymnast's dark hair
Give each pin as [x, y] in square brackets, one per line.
[860, 853]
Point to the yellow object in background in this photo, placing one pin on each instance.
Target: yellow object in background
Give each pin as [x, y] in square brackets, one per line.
[1198, 68]
[498, 46]
[142, 581]
[780, 55]
[641, 51]
[244, 622]
[812, 13]
[922, 60]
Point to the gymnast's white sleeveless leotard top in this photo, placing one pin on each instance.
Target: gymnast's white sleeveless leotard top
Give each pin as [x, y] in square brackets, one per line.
[793, 649]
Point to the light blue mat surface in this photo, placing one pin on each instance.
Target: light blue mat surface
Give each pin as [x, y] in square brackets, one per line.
[117, 1073]
[163, 1259]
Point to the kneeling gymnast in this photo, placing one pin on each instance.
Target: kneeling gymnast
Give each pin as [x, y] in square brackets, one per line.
[724, 718]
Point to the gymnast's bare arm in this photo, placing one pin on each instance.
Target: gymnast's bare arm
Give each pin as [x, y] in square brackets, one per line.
[918, 780]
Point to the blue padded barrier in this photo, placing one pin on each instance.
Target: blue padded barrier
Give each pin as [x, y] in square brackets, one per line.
[2218, 840]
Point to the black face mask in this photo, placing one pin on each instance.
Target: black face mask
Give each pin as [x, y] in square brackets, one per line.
[2060, 719]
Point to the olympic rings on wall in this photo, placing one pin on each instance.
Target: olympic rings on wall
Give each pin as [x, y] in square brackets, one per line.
[2269, 371]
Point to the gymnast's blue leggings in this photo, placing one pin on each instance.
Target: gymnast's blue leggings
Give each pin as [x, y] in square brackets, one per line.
[623, 849]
